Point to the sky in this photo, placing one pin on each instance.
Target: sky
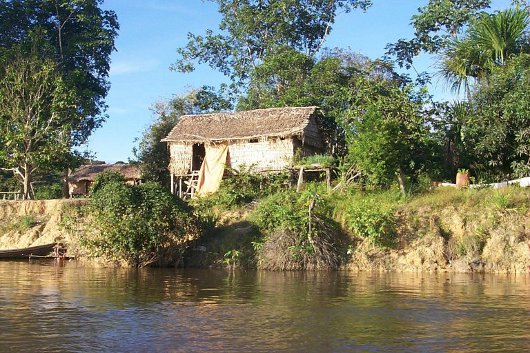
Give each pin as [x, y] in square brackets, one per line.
[152, 30]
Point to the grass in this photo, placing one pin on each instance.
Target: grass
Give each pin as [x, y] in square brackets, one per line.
[322, 160]
[465, 219]
[20, 224]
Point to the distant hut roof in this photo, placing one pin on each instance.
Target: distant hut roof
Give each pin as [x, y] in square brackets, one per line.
[90, 171]
[245, 125]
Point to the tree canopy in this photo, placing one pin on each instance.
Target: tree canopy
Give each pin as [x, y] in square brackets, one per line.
[59, 50]
[250, 30]
[78, 36]
[35, 104]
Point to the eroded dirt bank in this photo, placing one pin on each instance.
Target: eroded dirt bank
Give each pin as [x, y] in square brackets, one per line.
[35, 222]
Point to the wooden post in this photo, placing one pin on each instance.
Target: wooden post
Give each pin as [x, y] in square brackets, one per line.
[300, 180]
[328, 178]
[180, 187]
[172, 184]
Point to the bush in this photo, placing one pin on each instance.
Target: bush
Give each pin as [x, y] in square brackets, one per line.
[140, 225]
[242, 187]
[49, 192]
[369, 214]
[372, 220]
[299, 233]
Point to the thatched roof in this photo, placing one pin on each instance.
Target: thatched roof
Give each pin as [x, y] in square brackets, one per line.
[90, 171]
[245, 125]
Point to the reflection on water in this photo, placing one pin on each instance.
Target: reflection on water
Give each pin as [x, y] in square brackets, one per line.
[46, 307]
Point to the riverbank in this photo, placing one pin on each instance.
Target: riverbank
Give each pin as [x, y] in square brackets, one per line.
[444, 229]
[36, 222]
[439, 230]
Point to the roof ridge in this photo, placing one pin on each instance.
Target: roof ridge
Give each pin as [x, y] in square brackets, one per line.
[314, 107]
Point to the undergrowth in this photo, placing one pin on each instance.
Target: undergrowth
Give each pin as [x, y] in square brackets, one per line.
[298, 232]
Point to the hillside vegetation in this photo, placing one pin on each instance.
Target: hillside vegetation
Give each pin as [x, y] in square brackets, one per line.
[444, 229]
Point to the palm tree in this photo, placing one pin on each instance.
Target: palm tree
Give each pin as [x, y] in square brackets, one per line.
[488, 42]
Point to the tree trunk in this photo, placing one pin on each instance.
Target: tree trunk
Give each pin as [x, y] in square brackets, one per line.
[27, 182]
[402, 179]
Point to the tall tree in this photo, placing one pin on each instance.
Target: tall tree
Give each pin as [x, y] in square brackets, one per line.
[498, 127]
[388, 130]
[250, 30]
[79, 37]
[35, 106]
[488, 42]
[76, 37]
[435, 25]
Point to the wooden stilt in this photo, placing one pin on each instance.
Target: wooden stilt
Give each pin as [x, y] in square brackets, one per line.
[180, 187]
[300, 180]
[172, 184]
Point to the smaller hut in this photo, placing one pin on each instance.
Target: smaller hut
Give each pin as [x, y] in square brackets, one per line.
[80, 180]
[266, 140]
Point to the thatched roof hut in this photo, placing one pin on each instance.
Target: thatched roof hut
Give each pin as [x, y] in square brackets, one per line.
[262, 139]
[79, 181]
[248, 125]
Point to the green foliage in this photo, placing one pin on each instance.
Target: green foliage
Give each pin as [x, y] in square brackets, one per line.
[387, 131]
[19, 224]
[285, 210]
[54, 64]
[138, 224]
[490, 40]
[25, 223]
[369, 214]
[240, 188]
[107, 177]
[323, 160]
[251, 30]
[373, 220]
[78, 36]
[49, 192]
[35, 104]
[434, 27]
[499, 126]
[299, 232]
[231, 257]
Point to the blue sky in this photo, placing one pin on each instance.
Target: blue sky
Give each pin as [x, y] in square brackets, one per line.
[151, 30]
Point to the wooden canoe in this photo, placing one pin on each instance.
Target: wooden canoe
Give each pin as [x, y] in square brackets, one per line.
[40, 250]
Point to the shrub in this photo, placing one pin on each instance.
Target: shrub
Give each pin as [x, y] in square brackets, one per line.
[141, 224]
[240, 188]
[298, 232]
[369, 219]
[104, 178]
[49, 192]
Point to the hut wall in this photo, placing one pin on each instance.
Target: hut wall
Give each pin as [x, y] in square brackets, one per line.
[269, 154]
[305, 149]
[312, 134]
[180, 158]
[78, 188]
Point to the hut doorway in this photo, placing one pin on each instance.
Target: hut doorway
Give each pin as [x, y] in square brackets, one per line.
[199, 152]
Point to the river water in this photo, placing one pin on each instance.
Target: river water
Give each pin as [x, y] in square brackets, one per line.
[48, 307]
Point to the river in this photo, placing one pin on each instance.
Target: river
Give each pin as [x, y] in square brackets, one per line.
[48, 307]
